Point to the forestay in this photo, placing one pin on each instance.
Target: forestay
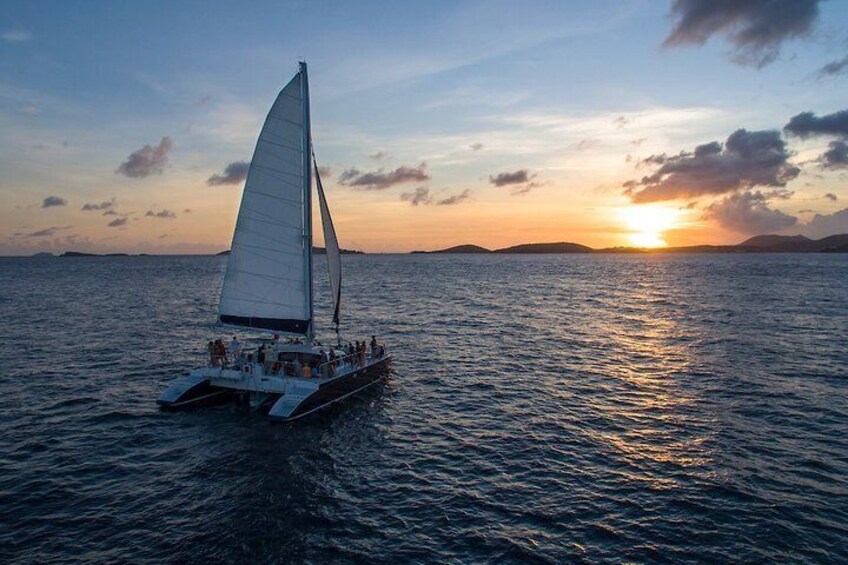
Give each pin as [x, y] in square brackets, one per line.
[268, 283]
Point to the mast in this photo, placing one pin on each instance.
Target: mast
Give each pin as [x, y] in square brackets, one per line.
[307, 198]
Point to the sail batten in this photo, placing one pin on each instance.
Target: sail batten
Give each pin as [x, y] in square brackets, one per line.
[267, 285]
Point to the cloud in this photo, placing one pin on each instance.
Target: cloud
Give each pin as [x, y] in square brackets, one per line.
[203, 101]
[325, 172]
[109, 213]
[476, 146]
[164, 214]
[51, 201]
[379, 180]
[108, 205]
[748, 212]
[823, 225]
[587, 143]
[46, 232]
[117, 222]
[455, 199]
[421, 195]
[620, 122]
[807, 124]
[831, 196]
[187, 211]
[834, 67]
[234, 173]
[505, 179]
[754, 28]
[147, 160]
[747, 159]
[836, 157]
[15, 36]
[379, 155]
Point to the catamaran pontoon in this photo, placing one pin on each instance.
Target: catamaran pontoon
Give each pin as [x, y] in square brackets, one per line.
[268, 283]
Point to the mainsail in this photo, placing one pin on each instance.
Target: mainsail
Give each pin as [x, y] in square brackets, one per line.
[268, 282]
[331, 243]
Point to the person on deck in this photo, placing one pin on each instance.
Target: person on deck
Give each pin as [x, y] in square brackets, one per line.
[373, 346]
[234, 347]
[220, 353]
[210, 349]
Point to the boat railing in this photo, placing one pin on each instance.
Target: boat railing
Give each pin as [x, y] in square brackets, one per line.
[325, 369]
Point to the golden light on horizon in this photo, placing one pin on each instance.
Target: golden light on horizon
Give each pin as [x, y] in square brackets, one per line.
[648, 222]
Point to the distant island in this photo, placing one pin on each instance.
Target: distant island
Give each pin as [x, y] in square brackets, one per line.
[756, 244]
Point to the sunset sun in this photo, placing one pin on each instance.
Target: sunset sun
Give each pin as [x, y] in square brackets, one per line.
[647, 224]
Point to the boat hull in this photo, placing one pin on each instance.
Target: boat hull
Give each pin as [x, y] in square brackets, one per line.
[285, 400]
[335, 390]
[193, 391]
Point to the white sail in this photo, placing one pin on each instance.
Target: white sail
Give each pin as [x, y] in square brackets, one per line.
[268, 282]
[331, 243]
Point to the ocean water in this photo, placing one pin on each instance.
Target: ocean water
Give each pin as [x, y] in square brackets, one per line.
[543, 409]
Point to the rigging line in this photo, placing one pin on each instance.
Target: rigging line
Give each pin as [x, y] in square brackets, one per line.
[286, 120]
[285, 94]
[297, 149]
[285, 182]
[260, 299]
[293, 249]
[273, 257]
[281, 282]
[265, 219]
[273, 170]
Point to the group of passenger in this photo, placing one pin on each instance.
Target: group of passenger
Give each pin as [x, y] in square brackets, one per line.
[220, 355]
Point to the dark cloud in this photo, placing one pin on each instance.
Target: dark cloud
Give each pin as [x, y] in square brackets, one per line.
[823, 225]
[379, 155]
[620, 122]
[107, 205]
[831, 196]
[455, 199]
[147, 160]
[748, 212]
[187, 211]
[51, 201]
[203, 101]
[420, 195]
[325, 172]
[379, 180]
[476, 146]
[505, 179]
[638, 142]
[754, 28]
[746, 160]
[117, 222]
[807, 124]
[165, 214]
[110, 213]
[46, 232]
[836, 157]
[234, 173]
[835, 67]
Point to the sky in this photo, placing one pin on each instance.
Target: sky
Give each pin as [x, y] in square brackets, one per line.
[127, 127]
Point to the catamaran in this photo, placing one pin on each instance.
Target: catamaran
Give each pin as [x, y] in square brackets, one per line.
[268, 285]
